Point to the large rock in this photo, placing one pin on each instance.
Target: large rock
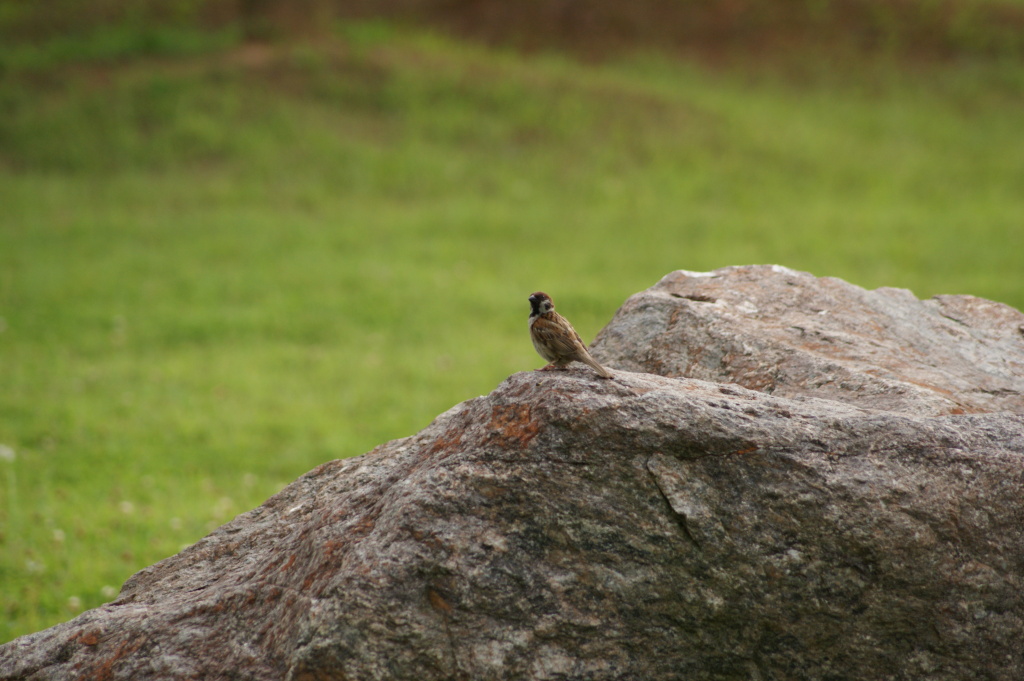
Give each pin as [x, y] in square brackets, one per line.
[567, 527]
[790, 334]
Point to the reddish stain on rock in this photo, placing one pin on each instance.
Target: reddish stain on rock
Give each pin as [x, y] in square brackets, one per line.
[513, 424]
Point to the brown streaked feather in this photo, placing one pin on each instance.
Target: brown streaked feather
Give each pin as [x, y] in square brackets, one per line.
[557, 341]
[552, 340]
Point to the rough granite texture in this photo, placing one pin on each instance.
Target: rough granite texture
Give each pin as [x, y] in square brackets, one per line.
[791, 334]
[646, 527]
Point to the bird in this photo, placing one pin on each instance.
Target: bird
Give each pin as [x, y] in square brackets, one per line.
[554, 338]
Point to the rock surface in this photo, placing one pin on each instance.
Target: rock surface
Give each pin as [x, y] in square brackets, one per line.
[791, 334]
[646, 527]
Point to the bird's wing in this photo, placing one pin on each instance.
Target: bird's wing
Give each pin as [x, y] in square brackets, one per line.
[552, 331]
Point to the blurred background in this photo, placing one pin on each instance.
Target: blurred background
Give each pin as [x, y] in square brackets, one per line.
[239, 238]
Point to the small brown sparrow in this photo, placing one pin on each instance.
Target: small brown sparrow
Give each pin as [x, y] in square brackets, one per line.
[554, 338]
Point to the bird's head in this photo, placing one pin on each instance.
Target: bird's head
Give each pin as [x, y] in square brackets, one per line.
[540, 303]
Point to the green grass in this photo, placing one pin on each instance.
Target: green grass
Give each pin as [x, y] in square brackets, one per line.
[113, 43]
[219, 270]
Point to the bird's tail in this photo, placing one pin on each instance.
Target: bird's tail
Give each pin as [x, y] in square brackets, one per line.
[593, 364]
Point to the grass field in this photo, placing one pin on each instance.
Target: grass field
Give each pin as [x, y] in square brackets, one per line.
[223, 266]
